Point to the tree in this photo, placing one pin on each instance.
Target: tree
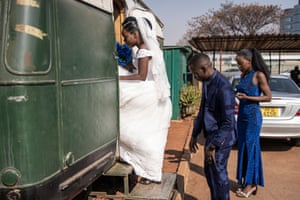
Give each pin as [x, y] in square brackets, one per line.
[235, 19]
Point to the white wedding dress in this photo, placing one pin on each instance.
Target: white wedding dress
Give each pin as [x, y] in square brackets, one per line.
[144, 122]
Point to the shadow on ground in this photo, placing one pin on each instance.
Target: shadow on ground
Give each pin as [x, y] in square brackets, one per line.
[277, 144]
[174, 156]
[200, 170]
[189, 197]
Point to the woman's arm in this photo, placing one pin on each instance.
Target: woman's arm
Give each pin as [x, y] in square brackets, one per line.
[261, 80]
[264, 87]
[142, 71]
[130, 67]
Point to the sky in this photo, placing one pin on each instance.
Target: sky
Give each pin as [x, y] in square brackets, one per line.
[175, 14]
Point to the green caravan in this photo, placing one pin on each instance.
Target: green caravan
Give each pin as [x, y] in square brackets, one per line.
[58, 96]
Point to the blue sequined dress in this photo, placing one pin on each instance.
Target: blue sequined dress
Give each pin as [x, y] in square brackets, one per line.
[249, 170]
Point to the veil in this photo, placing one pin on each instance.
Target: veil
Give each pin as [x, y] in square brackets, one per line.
[158, 68]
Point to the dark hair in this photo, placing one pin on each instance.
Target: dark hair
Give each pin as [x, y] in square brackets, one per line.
[256, 59]
[130, 24]
[196, 57]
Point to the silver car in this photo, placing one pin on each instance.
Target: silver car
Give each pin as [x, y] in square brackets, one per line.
[281, 116]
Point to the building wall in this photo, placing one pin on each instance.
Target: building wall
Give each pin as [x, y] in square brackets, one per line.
[290, 21]
[137, 8]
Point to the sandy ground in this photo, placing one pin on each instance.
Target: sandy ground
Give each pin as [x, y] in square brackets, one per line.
[281, 167]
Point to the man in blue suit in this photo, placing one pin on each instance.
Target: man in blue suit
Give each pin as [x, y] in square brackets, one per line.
[216, 120]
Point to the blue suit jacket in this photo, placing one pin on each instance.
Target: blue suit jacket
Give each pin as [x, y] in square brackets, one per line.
[216, 113]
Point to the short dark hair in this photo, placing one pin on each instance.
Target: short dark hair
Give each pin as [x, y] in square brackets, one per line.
[196, 57]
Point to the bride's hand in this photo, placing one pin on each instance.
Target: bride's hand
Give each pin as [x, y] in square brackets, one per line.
[130, 67]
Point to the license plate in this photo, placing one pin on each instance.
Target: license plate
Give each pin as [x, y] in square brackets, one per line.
[270, 111]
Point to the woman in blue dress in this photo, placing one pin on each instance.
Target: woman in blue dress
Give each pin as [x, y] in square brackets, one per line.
[252, 89]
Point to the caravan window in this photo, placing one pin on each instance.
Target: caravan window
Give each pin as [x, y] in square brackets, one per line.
[27, 38]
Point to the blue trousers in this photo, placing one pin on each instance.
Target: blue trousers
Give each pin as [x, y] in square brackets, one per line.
[217, 176]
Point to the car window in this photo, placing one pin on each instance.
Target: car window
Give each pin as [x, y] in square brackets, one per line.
[276, 85]
[283, 85]
[232, 70]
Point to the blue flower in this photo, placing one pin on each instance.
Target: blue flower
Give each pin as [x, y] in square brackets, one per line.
[124, 54]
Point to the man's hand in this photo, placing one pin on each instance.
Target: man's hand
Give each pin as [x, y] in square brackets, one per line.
[210, 155]
[193, 145]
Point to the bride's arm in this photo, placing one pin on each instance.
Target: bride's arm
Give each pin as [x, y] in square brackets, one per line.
[142, 71]
[130, 67]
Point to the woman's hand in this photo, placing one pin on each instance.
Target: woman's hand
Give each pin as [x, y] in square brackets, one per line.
[142, 70]
[241, 95]
[130, 67]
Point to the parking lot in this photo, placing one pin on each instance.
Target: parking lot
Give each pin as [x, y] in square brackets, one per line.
[281, 163]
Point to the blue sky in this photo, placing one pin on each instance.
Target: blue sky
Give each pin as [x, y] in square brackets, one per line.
[176, 13]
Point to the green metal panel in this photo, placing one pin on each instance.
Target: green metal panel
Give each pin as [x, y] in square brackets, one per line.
[176, 64]
[87, 41]
[85, 130]
[28, 104]
[71, 108]
[88, 78]
[29, 132]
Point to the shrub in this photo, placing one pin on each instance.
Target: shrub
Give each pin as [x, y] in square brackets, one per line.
[189, 97]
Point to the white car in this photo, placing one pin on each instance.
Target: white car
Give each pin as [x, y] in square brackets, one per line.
[231, 72]
[286, 73]
[281, 116]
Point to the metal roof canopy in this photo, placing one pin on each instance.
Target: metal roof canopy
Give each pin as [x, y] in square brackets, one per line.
[265, 42]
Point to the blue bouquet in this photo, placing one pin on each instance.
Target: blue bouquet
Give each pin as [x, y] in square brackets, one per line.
[124, 54]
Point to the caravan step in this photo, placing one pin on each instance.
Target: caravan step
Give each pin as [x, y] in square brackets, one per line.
[155, 191]
[119, 169]
[123, 170]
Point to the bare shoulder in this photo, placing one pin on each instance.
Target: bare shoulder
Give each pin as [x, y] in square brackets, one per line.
[261, 77]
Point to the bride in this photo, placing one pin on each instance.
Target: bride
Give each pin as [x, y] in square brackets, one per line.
[145, 106]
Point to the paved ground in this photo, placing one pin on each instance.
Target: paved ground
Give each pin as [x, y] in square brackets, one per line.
[177, 138]
[281, 167]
